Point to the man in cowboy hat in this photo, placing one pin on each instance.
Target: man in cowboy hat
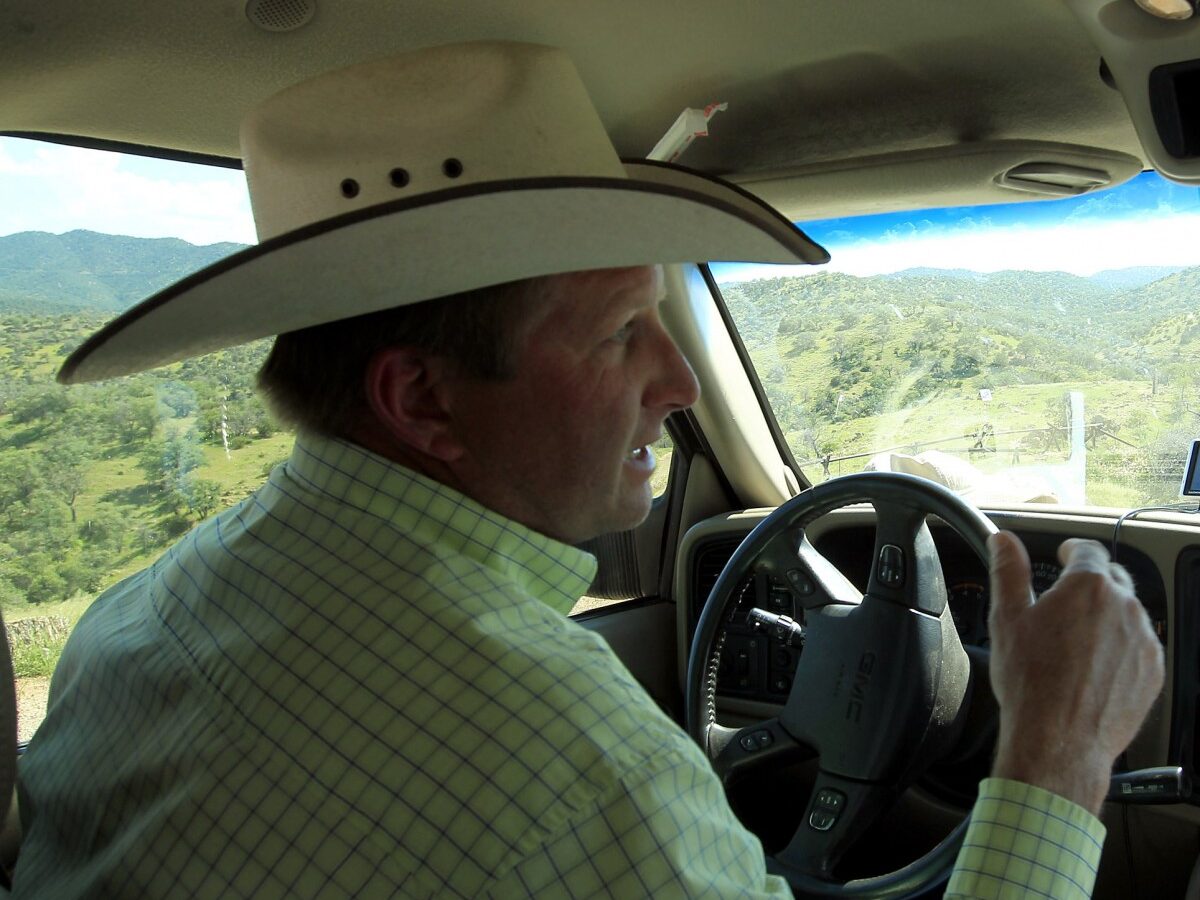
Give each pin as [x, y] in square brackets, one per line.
[360, 681]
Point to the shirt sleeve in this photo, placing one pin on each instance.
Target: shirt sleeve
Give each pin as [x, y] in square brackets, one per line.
[1024, 841]
[664, 830]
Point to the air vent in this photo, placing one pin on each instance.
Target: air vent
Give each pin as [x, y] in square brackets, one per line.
[710, 561]
[280, 15]
[1053, 179]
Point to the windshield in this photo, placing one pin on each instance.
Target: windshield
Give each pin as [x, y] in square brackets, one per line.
[1032, 352]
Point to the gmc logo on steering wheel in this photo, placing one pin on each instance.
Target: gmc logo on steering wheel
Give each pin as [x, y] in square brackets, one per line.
[858, 693]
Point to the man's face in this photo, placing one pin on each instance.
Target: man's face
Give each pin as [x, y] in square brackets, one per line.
[562, 445]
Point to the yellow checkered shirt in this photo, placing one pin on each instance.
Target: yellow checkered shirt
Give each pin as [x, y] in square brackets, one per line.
[359, 682]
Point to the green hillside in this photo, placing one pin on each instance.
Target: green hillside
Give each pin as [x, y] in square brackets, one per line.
[859, 365]
[83, 270]
[96, 480]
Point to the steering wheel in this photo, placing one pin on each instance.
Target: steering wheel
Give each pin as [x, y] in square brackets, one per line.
[882, 687]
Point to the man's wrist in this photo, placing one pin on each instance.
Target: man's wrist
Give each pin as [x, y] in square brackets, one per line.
[1080, 777]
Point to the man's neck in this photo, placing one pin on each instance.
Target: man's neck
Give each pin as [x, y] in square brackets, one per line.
[381, 444]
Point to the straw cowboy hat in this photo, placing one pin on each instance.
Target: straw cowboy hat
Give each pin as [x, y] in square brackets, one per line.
[428, 174]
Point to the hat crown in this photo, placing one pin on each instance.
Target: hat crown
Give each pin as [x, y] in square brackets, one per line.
[441, 171]
[433, 119]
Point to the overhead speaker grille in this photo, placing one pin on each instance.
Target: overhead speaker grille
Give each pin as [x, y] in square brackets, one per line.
[280, 15]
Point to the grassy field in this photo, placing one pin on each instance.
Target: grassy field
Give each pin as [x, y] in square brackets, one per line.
[38, 640]
[1131, 414]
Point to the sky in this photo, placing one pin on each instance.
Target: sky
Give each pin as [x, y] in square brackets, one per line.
[1147, 221]
[50, 187]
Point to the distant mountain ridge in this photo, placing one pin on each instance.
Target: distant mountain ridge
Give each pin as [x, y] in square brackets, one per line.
[86, 270]
[1133, 277]
[1109, 279]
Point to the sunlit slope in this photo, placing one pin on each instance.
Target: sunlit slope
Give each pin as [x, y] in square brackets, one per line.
[854, 365]
[87, 270]
[96, 479]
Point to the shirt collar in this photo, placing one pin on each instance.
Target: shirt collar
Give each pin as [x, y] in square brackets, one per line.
[555, 573]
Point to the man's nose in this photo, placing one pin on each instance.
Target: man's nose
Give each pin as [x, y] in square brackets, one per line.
[677, 388]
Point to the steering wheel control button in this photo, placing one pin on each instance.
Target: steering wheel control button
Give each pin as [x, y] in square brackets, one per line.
[800, 581]
[891, 566]
[821, 820]
[827, 806]
[756, 740]
[780, 601]
[830, 800]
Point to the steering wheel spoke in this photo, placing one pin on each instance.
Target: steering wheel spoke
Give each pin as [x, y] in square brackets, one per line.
[735, 751]
[839, 810]
[814, 580]
[905, 567]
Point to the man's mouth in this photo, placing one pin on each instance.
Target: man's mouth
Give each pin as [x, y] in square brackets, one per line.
[641, 458]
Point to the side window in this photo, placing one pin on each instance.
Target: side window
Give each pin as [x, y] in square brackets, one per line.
[663, 450]
[97, 480]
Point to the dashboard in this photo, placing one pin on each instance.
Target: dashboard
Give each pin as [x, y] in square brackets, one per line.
[756, 669]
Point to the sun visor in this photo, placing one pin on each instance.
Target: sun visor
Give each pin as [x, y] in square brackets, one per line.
[957, 175]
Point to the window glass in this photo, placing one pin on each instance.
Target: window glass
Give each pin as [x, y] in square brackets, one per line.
[663, 451]
[97, 480]
[629, 589]
[1043, 351]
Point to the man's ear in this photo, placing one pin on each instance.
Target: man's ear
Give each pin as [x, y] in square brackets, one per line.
[405, 389]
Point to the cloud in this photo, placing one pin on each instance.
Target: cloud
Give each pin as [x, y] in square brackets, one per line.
[1104, 205]
[1082, 248]
[48, 187]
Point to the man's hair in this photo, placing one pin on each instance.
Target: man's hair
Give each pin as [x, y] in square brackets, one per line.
[315, 378]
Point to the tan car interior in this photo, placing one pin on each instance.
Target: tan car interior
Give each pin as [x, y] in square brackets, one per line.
[834, 109]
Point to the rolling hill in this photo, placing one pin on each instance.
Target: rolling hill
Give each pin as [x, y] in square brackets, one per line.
[95, 480]
[83, 270]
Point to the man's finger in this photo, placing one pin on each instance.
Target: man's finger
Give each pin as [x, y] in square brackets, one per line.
[1121, 576]
[1081, 555]
[1010, 576]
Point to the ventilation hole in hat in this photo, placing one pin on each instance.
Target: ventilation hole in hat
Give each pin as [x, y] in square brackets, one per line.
[349, 188]
[398, 177]
[452, 167]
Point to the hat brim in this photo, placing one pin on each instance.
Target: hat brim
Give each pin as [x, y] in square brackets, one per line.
[438, 244]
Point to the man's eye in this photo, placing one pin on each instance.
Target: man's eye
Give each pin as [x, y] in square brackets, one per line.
[622, 334]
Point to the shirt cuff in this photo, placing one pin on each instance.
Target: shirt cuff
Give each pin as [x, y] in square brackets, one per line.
[1024, 841]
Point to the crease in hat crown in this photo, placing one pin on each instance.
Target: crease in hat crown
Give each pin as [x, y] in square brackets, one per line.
[443, 117]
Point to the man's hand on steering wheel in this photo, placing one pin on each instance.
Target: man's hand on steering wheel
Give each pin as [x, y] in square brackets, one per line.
[1075, 673]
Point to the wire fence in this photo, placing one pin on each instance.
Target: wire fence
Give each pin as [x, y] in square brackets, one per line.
[1110, 458]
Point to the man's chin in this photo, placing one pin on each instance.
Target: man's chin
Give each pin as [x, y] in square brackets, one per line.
[631, 513]
[634, 512]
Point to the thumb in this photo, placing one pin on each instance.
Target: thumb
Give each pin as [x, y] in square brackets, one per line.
[1011, 591]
